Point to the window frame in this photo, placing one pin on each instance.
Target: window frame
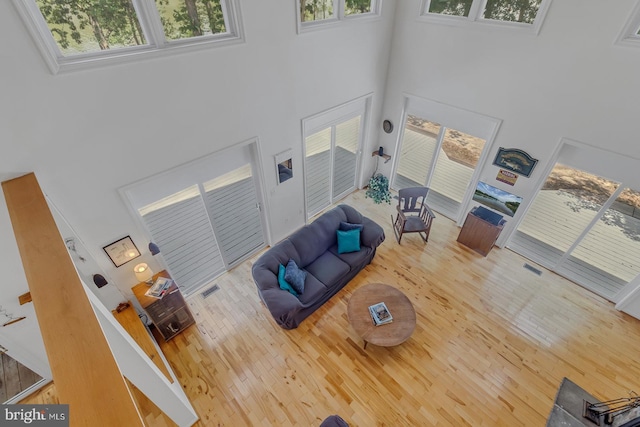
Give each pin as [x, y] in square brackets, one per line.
[339, 16]
[475, 17]
[149, 19]
[629, 35]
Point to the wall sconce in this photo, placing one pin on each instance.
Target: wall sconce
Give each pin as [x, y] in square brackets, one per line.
[153, 248]
[99, 280]
[143, 273]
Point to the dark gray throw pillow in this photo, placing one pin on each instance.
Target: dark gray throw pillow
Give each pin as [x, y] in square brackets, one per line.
[295, 276]
[346, 226]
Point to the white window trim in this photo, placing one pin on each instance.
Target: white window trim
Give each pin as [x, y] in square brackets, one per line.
[376, 10]
[475, 18]
[629, 34]
[150, 21]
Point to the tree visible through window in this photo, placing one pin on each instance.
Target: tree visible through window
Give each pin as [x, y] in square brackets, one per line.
[315, 10]
[84, 26]
[512, 10]
[190, 18]
[319, 10]
[80, 26]
[356, 7]
[524, 11]
[450, 7]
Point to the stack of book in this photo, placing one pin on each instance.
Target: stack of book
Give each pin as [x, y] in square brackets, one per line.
[159, 288]
[380, 314]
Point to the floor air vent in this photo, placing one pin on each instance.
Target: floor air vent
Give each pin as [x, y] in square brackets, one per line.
[533, 269]
[209, 291]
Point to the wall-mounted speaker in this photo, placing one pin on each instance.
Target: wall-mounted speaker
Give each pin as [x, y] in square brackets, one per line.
[387, 126]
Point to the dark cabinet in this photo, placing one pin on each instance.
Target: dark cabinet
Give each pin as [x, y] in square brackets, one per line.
[169, 314]
[481, 230]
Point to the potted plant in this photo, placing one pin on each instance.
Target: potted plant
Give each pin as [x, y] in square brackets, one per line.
[378, 189]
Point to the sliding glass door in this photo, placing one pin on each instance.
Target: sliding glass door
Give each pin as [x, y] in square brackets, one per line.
[206, 216]
[441, 158]
[332, 142]
[585, 227]
[180, 226]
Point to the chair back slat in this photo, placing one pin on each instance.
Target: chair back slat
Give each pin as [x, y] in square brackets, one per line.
[411, 199]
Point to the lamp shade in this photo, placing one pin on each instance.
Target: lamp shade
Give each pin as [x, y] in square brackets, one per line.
[143, 272]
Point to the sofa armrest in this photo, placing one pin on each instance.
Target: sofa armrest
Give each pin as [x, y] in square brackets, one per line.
[282, 305]
[372, 235]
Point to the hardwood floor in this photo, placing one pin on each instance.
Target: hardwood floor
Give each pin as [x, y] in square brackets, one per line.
[492, 343]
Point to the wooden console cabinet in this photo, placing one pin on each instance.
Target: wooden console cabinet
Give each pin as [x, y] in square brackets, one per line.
[170, 314]
[479, 233]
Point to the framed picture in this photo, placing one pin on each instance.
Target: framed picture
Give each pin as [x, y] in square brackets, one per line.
[121, 251]
[515, 160]
[284, 166]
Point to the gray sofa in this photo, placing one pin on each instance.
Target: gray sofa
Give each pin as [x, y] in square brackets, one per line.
[314, 248]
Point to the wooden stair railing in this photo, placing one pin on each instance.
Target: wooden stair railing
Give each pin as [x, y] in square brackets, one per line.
[84, 370]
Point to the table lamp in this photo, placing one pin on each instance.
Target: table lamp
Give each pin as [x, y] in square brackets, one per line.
[143, 273]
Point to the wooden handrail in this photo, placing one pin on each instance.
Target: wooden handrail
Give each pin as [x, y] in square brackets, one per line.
[84, 370]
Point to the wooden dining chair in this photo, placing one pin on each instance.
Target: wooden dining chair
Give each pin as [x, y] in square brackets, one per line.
[414, 216]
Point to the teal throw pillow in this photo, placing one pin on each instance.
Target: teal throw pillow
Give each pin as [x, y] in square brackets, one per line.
[348, 241]
[284, 285]
[346, 226]
[295, 276]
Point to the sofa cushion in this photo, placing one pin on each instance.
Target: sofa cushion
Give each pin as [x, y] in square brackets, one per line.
[284, 285]
[313, 290]
[352, 215]
[280, 253]
[348, 241]
[328, 269]
[354, 259]
[295, 276]
[313, 239]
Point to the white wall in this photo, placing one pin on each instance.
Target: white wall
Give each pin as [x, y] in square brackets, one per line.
[569, 81]
[85, 134]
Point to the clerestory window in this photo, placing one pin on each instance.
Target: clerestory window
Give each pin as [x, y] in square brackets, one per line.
[79, 33]
[315, 13]
[510, 13]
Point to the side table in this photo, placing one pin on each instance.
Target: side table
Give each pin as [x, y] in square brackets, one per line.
[481, 230]
[170, 314]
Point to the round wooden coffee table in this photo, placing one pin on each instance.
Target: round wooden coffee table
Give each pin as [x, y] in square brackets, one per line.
[401, 309]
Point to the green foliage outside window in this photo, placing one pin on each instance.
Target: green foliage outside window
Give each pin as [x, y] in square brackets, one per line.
[354, 7]
[450, 7]
[86, 25]
[190, 18]
[317, 10]
[81, 26]
[512, 10]
[500, 10]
